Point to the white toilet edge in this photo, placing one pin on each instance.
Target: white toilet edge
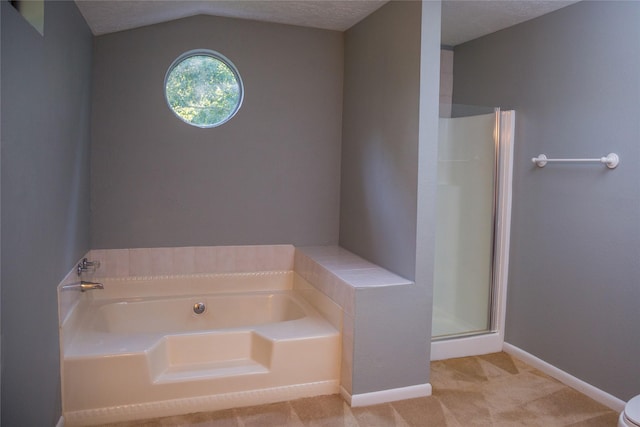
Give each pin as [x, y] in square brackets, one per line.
[630, 416]
[623, 421]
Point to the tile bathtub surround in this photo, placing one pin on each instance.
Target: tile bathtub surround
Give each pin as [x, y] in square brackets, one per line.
[191, 260]
[338, 273]
[344, 277]
[490, 390]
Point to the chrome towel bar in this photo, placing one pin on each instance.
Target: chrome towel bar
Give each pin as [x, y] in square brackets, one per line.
[611, 160]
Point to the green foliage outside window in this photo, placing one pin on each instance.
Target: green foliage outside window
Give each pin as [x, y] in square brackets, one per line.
[203, 90]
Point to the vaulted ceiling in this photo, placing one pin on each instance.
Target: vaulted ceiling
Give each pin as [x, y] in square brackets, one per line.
[462, 20]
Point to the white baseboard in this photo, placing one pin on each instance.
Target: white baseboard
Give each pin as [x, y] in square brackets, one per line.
[566, 378]
[60, 422]
[385, 396]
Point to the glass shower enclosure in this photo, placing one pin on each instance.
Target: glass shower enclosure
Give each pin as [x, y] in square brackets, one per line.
[473, 199]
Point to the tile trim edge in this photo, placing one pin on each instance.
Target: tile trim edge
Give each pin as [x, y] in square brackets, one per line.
[583, 387]
[386, 396]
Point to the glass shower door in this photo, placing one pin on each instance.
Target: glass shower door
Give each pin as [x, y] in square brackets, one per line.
[466, 206]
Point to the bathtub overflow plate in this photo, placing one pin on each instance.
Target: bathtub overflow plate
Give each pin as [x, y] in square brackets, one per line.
[199, 308]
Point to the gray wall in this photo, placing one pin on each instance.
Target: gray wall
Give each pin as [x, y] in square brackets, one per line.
[269, 175]
[45, 198]
[380, 137]
[574, 280]
[391, 117]
[427, 165]
[390, 339]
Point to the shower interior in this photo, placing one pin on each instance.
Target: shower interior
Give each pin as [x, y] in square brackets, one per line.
[472, 234]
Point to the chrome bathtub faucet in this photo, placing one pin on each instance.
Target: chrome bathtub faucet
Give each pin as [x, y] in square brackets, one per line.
[83, 285]
[85, 265]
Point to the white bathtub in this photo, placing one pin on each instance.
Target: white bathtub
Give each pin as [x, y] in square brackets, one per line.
[137, 349]
[176, 315]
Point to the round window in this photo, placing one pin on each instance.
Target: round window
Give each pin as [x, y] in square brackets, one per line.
[203, 88]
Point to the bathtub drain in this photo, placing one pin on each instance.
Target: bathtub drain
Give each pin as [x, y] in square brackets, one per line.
[199, 308]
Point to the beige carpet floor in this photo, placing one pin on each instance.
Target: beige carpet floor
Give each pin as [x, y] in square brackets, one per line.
[490, 390]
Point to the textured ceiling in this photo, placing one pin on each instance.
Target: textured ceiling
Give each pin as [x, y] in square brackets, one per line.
[116, 15]
[462, 20]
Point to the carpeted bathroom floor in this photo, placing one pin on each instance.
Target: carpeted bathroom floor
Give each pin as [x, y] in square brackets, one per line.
[490, 390]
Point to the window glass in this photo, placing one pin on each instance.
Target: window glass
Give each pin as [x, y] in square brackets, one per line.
[203, 88]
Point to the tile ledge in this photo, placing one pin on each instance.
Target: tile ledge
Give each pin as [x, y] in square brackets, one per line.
[329, 258]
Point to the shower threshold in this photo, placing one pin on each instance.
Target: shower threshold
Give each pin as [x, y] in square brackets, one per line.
[463, 345]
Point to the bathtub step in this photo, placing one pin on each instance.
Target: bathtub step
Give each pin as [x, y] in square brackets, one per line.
[207, 371]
